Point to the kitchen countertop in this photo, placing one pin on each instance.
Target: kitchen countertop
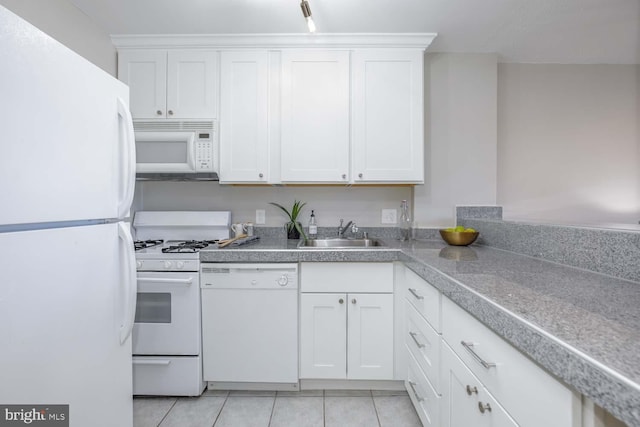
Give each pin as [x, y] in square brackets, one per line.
[581, 326]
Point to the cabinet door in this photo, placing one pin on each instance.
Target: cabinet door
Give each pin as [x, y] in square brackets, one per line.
[388, 116]
[315, 116]
[370, 336]
[244, 128]
[463, 397]
[323, 340]
[145, 71]
[191, 88]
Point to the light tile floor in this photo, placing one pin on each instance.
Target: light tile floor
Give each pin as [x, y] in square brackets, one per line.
[309, 408]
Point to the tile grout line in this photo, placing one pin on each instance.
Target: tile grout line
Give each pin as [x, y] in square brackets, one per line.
[167, 414]
[324, 418]
[221, 408]
[375, 408]
[273, 407]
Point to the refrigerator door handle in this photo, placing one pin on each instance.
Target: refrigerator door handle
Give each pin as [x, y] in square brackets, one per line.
[129, 280]
[127, 160]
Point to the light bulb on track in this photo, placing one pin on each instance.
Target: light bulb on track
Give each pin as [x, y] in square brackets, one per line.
[306, 12]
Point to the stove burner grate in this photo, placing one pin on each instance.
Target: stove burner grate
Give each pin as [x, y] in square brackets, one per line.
[143, 244]
[189, 246]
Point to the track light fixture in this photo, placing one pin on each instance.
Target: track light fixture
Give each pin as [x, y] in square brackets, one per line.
[306, 11]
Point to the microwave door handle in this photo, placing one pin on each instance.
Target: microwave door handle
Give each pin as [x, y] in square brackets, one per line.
[191, 143]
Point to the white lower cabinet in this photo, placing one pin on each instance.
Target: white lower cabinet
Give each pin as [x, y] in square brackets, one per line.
[481, 379]
[465, 402]
[346, 335]
[424, 398]
[323, 336]
[513, 379]
[424, 344]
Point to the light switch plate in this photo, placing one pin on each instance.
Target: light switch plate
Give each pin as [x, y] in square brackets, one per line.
[260, 216]
[389, 216]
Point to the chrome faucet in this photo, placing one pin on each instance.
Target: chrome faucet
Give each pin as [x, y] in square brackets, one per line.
[342, 229]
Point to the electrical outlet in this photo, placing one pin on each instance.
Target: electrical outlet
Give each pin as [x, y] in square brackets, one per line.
[389, 216]
[261, 216]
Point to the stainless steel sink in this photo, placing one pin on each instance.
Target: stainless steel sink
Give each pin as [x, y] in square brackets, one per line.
[339, 243]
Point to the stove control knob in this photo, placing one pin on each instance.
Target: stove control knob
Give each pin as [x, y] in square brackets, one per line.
[138, 264]
[180, 264]
[167, 265]
[283, 280]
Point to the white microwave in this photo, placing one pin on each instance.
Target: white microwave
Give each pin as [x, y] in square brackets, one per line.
[175, 151]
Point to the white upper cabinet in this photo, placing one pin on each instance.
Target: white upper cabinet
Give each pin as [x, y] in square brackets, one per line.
[315, 116]
[388, 116]
[145, 71]
[175, 84]
[244, 117]
[327, 109]
[191, 84]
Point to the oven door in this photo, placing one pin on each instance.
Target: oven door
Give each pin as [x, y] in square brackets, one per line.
[165, 152]
[167, 320]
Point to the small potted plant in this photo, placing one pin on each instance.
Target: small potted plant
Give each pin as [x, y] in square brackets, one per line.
[293, 227]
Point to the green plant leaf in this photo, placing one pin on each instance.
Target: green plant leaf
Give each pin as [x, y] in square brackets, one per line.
[296, 209]
[283, 209]
[300, 230]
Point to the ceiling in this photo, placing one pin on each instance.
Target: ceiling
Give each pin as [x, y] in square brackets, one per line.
[549, 31]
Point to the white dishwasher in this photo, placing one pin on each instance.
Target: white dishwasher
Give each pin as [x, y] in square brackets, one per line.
[250, 325]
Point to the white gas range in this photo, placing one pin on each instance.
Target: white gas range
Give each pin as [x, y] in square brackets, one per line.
[167, 348]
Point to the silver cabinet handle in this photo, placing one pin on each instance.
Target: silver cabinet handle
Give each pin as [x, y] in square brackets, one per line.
[415, 294]
[471, 390]
[341, 301]
[469, 347]
[260, 175]
[418, 343]
[171, 112]
[415, 393]
[359, 175]
[483, 408]
[344, 176]
[159, 112]
[353, 301]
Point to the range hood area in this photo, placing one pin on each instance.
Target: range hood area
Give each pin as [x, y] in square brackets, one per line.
[202, 176]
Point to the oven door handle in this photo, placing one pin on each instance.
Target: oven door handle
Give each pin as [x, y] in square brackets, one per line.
[185, 282]
[152, 362]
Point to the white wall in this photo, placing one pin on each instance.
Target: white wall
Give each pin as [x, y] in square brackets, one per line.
[569, 143]
[360, 204]
[460, 136]
[67, 24]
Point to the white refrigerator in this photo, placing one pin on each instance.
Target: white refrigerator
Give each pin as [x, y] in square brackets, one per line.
[67, 266]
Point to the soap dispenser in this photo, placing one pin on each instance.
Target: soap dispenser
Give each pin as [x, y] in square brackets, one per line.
[313, 227]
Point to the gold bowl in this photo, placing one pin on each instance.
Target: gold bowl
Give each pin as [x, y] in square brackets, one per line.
[459, 238]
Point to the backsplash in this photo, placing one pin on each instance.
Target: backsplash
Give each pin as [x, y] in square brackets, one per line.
[330, 232]
[612, 252]
[331, 203]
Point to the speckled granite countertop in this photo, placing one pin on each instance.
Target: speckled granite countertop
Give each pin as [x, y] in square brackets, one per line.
[581, 326]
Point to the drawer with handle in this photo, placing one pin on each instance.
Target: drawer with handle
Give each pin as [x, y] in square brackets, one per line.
[423, 396]
[466, 401]
[424, 297]
[424, 344]
[512, 378]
